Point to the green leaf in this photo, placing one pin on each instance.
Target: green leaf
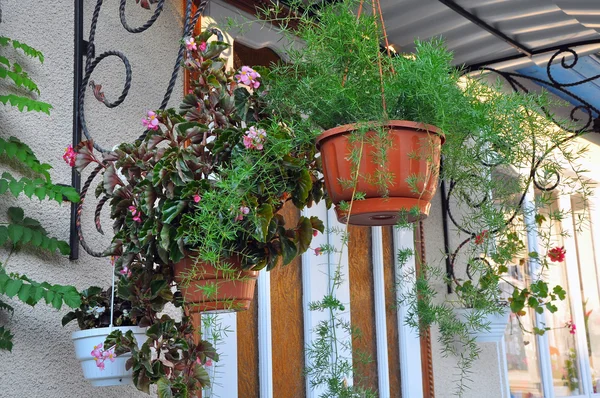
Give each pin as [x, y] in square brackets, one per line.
[302, 189]
[289, 250]
[15, 232]
[24, 293]
[264, 214]
[71, 296]
[305, 234]
[3, 186]
[5, 339]
[3, 235]
[68, 317]
[15, 187]
[57, 302]
[163, 388]
[40, 192]
[12, 287]
[156, 286]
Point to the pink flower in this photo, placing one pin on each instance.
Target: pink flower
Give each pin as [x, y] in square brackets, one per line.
[135, 213]
[248, 77]
[126, 272]
[202, 46]
[315, 232]
[100, 365]
[111, 355]
[571, 326]
[557, 254]
[197, 198]
[190, 44]
[318, 251]
[254, 139]
[209, 362]
[151, 122]
[480, 238]
[70, 156]
[243, 211]
[97, 352]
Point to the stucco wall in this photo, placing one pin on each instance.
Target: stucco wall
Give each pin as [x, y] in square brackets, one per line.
[42, 363]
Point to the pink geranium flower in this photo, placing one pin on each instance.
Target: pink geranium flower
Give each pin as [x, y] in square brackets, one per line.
[202, 46]
[248, 76]
[151, 121]
[70, 156]
[197, 198]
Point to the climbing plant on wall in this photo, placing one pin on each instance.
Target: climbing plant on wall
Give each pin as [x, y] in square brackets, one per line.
[32, 181]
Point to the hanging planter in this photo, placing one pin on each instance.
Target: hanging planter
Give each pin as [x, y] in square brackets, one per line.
[414, 155]
[112, 370]
[213, 289]
[497, 325]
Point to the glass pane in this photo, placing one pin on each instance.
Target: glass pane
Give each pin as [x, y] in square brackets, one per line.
[563, 351]
[590, 290]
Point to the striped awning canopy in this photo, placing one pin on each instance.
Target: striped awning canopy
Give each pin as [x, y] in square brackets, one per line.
[518, 33]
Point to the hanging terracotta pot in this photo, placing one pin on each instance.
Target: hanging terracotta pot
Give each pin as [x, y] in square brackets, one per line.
[212, 290]
[413, 154]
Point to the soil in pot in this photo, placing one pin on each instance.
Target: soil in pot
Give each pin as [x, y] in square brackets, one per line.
[413, 154]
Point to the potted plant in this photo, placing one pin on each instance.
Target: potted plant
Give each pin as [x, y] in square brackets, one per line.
[200, 193]
[102, 366]
[497, 146]
[196, 205]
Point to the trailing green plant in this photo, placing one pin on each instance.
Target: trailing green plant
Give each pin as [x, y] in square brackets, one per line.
[20, 231]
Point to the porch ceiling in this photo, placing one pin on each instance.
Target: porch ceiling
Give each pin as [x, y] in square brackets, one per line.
[533, 25]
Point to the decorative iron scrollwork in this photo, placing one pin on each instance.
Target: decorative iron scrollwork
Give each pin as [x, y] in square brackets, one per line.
[590, 123]
[92, 61]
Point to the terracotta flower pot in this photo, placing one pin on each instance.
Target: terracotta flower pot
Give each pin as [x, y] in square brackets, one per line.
[213, 290]
[414, 153]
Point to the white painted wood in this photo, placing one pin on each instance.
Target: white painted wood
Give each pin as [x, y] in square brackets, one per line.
[315, 277]
[503, 364]
[574, 291]
[342, 292]
[534, 266]
[265, 344]
[383, 374]
[409, 342]
[224, 373]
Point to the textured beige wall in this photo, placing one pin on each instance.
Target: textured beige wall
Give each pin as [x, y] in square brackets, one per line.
[42, 363]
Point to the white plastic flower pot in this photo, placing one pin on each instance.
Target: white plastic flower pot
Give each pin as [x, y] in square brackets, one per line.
[497, 325]
[114, 373]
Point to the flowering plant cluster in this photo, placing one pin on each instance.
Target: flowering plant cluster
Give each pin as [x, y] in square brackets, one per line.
[100, 355]
[94, 311]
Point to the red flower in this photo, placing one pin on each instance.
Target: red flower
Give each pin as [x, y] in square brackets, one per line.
[557, 254]
[571, 326]
[318, 251]
[481, 237]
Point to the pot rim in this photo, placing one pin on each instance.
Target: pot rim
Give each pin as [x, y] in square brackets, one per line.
[424, 127]
[105, 331]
